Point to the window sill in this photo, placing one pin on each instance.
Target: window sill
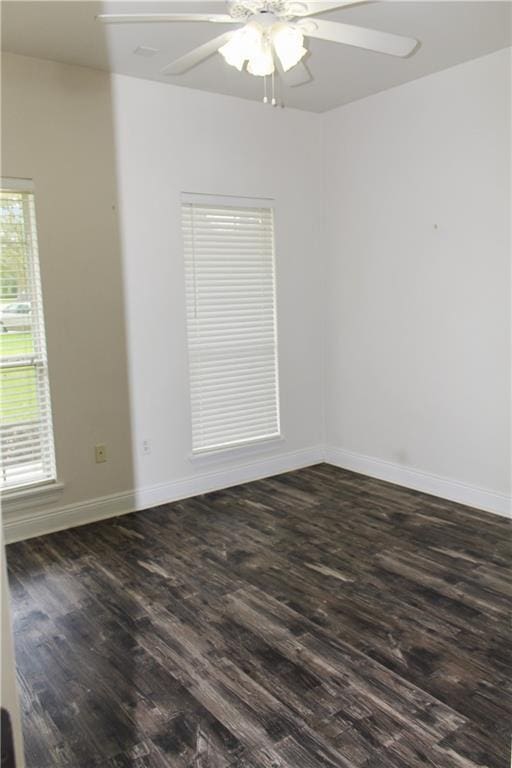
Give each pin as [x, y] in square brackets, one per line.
[31, 496]
[235, 451]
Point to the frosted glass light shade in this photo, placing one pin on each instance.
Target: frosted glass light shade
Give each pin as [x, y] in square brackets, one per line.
[233, 51]
[244, 44]
[256, 45]
[261, 62]
[289, 45]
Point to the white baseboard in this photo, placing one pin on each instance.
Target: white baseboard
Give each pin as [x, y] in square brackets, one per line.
[19, 524]
[445, 488]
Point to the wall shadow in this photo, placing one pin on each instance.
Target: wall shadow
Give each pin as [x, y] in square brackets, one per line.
[75, 636]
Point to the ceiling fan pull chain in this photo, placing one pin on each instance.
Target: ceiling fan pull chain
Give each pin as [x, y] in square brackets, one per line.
[265, 97]
[274, 102]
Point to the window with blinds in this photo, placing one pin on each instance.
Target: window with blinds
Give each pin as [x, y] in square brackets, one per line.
[231, 322]
[26, 436]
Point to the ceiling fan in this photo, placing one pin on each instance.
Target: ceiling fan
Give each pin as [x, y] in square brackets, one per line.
[271, 33]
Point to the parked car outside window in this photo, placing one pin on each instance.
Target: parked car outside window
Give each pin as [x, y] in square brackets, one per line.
[15, 316]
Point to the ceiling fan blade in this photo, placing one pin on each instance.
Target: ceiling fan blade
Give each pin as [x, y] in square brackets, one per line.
[312, 7]
[360, 37]
[196, 56]
[123, 18]
[297, 75]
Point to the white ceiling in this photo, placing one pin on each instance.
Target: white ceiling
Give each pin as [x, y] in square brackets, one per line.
[450, 33]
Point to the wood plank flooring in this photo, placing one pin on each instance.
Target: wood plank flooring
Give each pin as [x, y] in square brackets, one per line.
[315, 619]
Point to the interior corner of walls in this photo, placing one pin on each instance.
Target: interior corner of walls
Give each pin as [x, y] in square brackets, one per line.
[396, 359]
[418, 480]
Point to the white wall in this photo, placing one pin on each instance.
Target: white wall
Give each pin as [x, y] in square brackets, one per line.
[110, 157]
[417, 223]
[170, 140]
[392, 248]
[57, 130]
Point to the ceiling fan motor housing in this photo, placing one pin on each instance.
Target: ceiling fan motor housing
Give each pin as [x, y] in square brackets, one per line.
[245, 9]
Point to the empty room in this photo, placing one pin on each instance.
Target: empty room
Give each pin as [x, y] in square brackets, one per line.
[255, 384]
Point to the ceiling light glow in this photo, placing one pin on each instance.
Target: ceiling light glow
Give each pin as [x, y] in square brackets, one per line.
[257, 44]
[244, 44]
[288, 43]
[261, 63]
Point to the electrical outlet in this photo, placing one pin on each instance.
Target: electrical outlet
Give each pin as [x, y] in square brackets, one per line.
[100, 453]
[146, 447]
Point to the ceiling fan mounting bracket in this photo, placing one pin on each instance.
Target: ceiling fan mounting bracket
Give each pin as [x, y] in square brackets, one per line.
[245, 9]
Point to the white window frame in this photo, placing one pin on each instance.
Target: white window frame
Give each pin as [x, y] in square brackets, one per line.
[30, 488]
[251, 443]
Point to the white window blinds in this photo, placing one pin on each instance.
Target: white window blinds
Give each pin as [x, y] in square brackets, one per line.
[231, 321]
[26, 437]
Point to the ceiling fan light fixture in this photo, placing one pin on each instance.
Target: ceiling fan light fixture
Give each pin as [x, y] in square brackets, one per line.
[288, 43]
[261, 62]
[245, 43]
[233, 52]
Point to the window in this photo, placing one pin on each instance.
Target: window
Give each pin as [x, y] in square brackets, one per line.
[231, 321]
[26, 436]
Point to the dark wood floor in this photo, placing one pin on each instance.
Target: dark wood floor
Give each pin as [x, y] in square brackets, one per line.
[318, 618]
